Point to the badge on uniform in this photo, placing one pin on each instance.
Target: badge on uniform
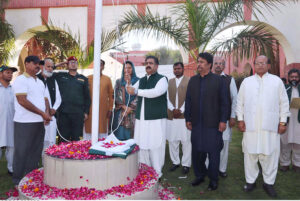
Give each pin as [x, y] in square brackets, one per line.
[80, 79]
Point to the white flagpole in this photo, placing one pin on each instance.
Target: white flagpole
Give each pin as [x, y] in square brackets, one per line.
[96, 78]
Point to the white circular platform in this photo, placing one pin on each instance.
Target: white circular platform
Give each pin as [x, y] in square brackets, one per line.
[99, 174]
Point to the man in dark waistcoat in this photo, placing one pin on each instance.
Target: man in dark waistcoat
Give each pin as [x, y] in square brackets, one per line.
[151, 115]
[206, 112]
[51, 85]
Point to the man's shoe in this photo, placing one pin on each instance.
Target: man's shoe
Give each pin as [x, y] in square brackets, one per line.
[185, 170]
[197, 181]
[212, 186]
[249, 187]
[296, 168]
[284, 168]
[10, 173]
[173, 168]
[222, 174]
[270, 190]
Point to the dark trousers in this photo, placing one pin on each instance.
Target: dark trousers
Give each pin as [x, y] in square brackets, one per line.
[70, 125]
[28, 142]
[200, 170]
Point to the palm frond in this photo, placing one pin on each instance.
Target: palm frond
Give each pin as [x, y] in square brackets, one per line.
[68, 44]
[250, 42]
[7, 40]
[260, 8]
[161, 27]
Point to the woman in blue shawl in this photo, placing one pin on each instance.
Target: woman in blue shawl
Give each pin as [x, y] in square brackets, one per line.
[126, 128]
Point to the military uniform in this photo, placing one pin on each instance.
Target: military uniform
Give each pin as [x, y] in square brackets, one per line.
[76, 101]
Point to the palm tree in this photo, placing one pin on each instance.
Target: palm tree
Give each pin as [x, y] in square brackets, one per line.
[7, 36]
[198, 21]
[61, 44]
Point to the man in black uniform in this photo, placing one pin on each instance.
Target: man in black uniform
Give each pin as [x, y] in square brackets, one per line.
[76, 101]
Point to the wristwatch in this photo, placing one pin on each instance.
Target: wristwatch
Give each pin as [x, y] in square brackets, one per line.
[282, 123]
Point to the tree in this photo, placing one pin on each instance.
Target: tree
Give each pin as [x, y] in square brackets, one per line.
[198, 21]
[166, 56]
[61, 44]
[7, 36]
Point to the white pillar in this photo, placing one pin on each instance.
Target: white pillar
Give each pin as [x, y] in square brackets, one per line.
[96, 79]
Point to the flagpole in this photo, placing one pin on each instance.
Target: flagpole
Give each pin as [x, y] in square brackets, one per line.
[96, 77]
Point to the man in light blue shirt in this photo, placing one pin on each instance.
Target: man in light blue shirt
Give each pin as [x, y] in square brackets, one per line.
[6, 115]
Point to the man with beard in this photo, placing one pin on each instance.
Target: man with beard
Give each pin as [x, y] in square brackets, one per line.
[76, 100]
[218, 68]
[31, 113]
[262, 111]
[7, 115]
[177, 131]
[51, 85]
[151, 115]
[290, 141]
[206, 112]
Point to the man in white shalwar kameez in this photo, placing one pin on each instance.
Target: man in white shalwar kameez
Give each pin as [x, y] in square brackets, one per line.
[290, 141]
[262, 111]
[54, 98]
[7, 112]
[176, 129]
[218, 68]
[151, 115]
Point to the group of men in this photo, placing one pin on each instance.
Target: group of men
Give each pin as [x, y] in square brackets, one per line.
[197, 112]
[200, 111]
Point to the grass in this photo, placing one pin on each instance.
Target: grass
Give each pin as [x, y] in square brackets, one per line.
[231, 188]
[287, 184]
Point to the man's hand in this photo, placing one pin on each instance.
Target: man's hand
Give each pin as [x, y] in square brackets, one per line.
[281, 129]
[108, 115]
[222, 127]
[86, 116]
[232, 122]
[52, 112]
[46, 117]
[130, 90]
[189, 125]
[176, 113]
[242, 126]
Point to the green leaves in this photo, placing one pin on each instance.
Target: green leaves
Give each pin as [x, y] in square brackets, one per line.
[60, 44]
[7, 40]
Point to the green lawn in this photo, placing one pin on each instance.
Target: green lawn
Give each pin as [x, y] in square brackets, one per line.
[287, 184]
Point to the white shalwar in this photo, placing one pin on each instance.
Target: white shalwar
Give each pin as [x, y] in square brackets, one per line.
[228, 132]
[50, 129]
[176, 133]
[150, 135]
[290, 141]
[7, 111]
[262, 103]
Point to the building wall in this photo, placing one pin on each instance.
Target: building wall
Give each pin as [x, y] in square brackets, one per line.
[79, 16]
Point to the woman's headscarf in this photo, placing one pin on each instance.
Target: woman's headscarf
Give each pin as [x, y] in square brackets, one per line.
[134, 78]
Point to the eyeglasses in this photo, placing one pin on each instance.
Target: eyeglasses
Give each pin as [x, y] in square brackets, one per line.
[73, 62]
[261, 63]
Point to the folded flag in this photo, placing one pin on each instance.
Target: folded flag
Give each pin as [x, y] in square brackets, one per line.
[111, 146]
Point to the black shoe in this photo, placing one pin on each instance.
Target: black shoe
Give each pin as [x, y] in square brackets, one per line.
[197, 181]
[270, 190]
[284, 168]
[185, 170]
[173, 168]
[212, 186]
[249, 187]
[222, 174]
[10, 173]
